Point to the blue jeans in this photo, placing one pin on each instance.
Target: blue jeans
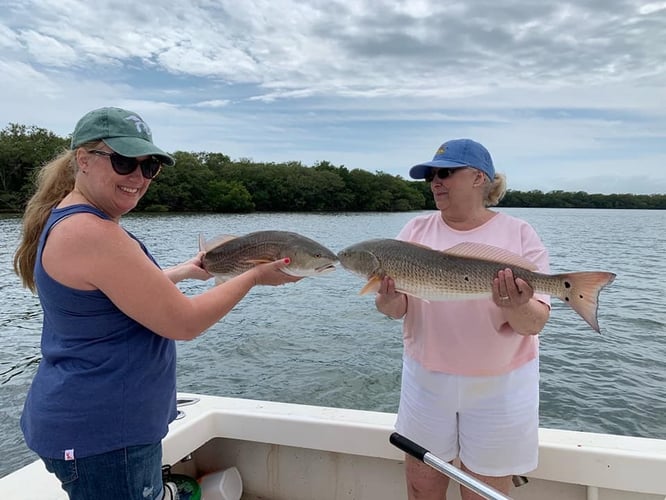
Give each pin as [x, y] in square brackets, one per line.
[133, 473]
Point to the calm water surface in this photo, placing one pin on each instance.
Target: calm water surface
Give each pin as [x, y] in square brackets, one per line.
[319, 342]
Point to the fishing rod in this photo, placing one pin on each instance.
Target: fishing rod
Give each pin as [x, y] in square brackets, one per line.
[468, 481]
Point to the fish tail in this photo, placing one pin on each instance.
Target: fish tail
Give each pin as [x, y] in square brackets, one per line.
[202, 243]
[581, 291]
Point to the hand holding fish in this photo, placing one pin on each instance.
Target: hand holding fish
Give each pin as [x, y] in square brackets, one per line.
[509, 291]
[389, 301]
[525, 314]
[190, 269]
[272, 274]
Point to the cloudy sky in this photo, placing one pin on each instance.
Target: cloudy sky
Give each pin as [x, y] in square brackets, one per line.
[565, 95]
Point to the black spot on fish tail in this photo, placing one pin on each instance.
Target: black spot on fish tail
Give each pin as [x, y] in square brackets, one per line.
[567, 285]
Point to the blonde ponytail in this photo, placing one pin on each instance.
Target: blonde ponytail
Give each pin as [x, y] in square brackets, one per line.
[54, 181]
[495, 190]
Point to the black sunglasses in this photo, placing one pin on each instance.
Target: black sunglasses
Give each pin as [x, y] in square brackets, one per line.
[125, 165]
[441, 173]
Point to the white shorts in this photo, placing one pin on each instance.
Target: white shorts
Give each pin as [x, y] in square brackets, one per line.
[491, 423]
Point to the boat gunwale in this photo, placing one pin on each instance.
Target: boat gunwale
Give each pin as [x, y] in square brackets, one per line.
[598, 460]
[592, 460]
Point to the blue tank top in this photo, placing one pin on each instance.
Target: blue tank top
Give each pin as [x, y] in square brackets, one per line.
[104, 382]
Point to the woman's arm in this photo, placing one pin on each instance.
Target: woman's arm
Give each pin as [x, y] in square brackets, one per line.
[86, 252]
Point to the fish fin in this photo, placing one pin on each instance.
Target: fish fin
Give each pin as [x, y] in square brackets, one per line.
[422, 245]
[206, 246]
[581, 292]
[256, 262]
[371, 286]
[411, 294]
[219, 280]
[491, 253]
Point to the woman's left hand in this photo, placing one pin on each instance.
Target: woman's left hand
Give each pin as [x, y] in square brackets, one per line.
[190, 269]
[510, 292]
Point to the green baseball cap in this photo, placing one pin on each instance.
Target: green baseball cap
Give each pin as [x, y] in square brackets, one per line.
[123, 131]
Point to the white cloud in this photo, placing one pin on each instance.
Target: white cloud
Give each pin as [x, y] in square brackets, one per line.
[48, 51]
[215, 103]
[370, 84]
[8, 38]
[651, 8]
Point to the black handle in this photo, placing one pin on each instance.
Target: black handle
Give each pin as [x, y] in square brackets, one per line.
[470, 482]
[408, 446]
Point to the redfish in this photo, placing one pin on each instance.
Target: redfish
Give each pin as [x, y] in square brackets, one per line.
[466, 271]
[227, 256]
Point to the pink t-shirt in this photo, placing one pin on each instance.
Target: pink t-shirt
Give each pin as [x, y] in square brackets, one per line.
[470, 337]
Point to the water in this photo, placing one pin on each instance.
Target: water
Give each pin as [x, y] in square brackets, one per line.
[318, 342]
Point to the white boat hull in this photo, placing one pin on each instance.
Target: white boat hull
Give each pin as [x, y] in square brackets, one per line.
[299, 452]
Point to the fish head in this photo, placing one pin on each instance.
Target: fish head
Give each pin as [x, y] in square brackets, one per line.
[309, 258]
[360, 259]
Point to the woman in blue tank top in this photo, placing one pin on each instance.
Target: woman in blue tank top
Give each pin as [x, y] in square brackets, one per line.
[105, 390]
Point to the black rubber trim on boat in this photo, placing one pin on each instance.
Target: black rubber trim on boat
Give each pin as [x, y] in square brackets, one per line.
[187, 401]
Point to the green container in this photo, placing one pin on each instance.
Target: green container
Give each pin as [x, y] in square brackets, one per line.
[188, 488]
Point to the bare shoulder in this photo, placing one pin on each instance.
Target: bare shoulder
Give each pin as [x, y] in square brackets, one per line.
[83, 246]
[84, 232]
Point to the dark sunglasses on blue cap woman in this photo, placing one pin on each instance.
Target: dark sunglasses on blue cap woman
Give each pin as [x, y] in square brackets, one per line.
[440, 173]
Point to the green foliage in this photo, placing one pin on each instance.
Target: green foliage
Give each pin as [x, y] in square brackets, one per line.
[23, 150]
[229, 197]
[213, 182]
[581, 199]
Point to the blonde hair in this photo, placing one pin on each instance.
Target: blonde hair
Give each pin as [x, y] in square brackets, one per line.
[54, 181]
[494, 190]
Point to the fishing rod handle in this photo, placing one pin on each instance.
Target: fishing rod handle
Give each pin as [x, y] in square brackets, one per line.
[471, 482]
[408, 446]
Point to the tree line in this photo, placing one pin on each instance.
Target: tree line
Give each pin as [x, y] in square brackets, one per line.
[213, 182]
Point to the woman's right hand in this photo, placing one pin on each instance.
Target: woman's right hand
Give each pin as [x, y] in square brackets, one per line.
[387, 288]
[271, 273]
[389, 301]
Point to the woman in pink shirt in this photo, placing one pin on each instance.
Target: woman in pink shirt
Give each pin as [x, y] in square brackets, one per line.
[470, 380]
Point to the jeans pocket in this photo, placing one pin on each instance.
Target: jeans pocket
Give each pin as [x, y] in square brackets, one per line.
[64, 470]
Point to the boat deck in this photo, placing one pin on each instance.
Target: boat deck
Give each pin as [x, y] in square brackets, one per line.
[298, 452]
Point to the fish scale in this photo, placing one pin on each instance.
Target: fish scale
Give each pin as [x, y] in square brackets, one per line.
[435, 275]
[232, 258]
[448, 277]
[227, 256]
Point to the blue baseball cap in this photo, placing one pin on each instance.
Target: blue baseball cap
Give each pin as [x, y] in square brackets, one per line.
[457, 153]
